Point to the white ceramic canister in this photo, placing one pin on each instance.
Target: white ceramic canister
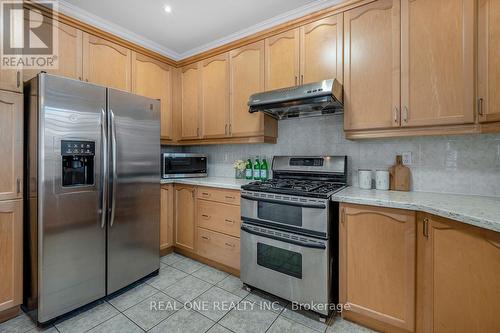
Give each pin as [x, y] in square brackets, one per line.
[382, 180]
[365, 179]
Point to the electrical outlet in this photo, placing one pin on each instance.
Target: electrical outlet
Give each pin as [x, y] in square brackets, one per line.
[407, 158]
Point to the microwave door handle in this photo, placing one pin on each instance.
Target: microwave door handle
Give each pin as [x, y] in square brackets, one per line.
[104, 177]
[285, 240]
[113, 157]
[295, 204]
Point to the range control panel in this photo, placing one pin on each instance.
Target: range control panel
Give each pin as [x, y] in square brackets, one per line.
[70, 147]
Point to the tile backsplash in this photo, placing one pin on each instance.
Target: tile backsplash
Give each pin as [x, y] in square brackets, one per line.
[465, 164]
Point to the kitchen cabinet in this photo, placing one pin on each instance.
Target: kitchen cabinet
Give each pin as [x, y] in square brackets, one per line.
[11, 254]
[220, 248]
[437, 63]
[219, 195]
[219, 217]
[70, 54]
[377, 266]
[372, 66]
[106, 63]
[215, 96]
[246, 78]
[458, 268]
[185, 217]
[488, 64]
[321, 50]
[153, 79]
[282, 60]
[190, 102]
[11, 80]
[11, 145]
[167, 217]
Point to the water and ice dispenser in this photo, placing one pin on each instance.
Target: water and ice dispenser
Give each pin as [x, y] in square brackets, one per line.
[77, 163]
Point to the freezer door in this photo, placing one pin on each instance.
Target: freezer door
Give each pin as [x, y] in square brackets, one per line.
[71, 245]
[134, 191]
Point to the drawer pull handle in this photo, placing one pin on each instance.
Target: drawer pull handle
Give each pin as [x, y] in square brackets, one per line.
[229, 244]
[229, 221]
[229, 197]
[205, 237]
[205, 194]
[205, 216]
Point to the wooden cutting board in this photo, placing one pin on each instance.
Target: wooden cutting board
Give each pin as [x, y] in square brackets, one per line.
[399, 176]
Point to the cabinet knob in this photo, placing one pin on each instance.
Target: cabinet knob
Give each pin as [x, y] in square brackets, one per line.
[405, 114]
[480, 107]
[205, 216]
[229, 221]
[229, 244]
[396, 114]
[205, 237]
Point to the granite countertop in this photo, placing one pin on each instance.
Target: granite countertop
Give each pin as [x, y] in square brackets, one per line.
[220, 182]
[475, 210]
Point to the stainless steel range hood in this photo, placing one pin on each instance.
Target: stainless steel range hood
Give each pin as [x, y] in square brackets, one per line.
[307, 100]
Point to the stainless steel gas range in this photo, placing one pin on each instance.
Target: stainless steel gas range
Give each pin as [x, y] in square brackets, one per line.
[289, 234]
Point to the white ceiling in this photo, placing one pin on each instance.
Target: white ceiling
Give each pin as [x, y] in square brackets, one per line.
[193, 26]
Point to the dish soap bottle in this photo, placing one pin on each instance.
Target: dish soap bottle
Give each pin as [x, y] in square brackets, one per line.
[256, 169]
[264, 171]
[249, 169]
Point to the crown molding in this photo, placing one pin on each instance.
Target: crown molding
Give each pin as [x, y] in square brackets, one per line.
[103, 24]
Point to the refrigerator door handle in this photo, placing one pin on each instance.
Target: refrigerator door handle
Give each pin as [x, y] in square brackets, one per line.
[113, 156]
[104, 178]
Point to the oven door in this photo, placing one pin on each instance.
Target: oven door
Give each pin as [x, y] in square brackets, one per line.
[179, 166]
[293, 267]
[308, 216]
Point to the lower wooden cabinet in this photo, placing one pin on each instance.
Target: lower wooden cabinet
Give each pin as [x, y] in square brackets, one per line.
[377, 266]
[185, 217]
[167, 217]
[219, 217]
[219, 247]
[11, 254]
[458, 277]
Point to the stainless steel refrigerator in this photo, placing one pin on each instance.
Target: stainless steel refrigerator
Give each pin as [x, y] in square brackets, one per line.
[92, 177]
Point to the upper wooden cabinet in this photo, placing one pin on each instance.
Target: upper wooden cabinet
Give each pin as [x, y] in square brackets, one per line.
[377, 266]
[106, 63]
[11, 254]
[153, 79]
[11, 145]
[457, 264]
[70, 54]
[185, 216]
[372, 66]
[246, 78]
[437, 62]
[190, 102]
[488, 65]
[11, 79]
[321, 50]
[215, 96]
[167, 217]
[282, 60]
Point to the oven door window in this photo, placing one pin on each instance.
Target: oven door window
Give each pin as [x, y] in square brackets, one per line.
[286, 214]
[280, 260]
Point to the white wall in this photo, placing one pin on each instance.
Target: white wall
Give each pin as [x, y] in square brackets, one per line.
[467, 164]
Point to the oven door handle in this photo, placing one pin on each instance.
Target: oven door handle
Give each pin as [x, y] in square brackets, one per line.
[285, 240]
[295, 204]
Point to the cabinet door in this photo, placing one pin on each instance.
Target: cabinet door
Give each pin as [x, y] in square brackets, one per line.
[247, 78]
[377, 265]
[215, 96]
[167, 217]
[321, 50]
[11, 145]
[458, 266]
[184, 216]
[488, 62]
[372, 66]
[153, 79]
[437, 63]
[282, 60]
[11, 254]
[106, 63]
[190, 102]
[70, 54]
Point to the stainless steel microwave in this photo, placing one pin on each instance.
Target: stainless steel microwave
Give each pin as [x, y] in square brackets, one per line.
[182, 165]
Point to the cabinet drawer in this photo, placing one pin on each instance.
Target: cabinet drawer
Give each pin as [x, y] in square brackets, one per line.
[219, 247]
[219, 217]
[219, 195]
